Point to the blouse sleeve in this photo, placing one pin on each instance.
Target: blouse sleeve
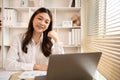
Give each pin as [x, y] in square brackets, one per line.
[12, 59]
[57, 48]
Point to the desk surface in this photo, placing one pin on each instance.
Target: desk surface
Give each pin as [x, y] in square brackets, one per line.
[5, 75]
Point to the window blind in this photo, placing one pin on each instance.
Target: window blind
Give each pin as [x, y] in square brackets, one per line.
[107, 39]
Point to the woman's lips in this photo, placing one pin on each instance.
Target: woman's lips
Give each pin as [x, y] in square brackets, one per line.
[39, 27]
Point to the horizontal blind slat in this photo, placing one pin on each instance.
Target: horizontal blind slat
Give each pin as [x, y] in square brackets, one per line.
[107, 38]
[113, 74]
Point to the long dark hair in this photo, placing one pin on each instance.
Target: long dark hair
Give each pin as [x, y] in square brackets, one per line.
[46, 44]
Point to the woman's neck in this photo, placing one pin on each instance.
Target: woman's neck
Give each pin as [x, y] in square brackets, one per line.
[36, 37]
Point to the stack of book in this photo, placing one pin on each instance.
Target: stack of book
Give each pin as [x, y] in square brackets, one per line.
[10, 17]
[74, 3]
[74, 37]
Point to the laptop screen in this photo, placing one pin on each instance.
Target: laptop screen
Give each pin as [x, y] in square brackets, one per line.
[77, 66]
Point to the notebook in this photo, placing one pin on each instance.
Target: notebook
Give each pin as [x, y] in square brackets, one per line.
[77, 66]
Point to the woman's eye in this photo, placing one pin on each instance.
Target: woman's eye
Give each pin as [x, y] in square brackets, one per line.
[46, 22]
[39, 18]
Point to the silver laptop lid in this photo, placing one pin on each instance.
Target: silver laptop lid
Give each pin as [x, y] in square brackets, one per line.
[75, 66]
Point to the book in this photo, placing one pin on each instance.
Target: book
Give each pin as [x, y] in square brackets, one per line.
[70, 2]
[24, 3]
[77, 3]
[70, 38]
[73, 3]
[0, 23]
[73, 36]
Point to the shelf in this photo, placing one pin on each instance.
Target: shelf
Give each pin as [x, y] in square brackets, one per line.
[54, 3]
[7, 45]
[60, 3]
[17, 27]
[74, 27]
[35, 8]
[61, 11]
[40, 3]
[65, 15]
[68, 8]
[16, 17]
[71, 46]
[23, 27]
[65, 46]
[17, 8]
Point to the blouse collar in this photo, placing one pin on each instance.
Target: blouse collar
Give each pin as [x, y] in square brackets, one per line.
[41, 39]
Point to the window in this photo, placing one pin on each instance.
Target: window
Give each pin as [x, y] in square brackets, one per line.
[107, 39]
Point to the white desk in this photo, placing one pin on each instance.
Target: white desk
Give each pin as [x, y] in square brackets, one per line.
[5, 75]
[98, 76]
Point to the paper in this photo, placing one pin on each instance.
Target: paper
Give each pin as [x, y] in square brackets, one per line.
[31, 74]
[5, 75]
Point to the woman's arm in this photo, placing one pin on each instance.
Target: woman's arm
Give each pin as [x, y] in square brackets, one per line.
[13, 59]
[57, 45]
[52, 34]
[40, 67]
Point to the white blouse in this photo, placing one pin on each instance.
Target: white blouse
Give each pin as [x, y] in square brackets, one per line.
[18, 60]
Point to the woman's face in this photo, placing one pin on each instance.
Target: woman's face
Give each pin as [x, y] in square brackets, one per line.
[41, 22]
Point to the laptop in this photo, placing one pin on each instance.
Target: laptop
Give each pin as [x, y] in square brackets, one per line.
[77, 66]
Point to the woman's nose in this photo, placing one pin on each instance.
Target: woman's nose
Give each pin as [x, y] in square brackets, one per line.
[42, 22]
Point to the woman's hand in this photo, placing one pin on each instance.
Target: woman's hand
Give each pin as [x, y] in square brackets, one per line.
[40, 67]
[53, 35]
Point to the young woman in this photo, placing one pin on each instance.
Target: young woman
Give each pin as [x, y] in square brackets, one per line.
[31, 50]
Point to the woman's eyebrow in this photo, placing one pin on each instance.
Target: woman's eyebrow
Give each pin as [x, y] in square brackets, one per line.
[44, 18]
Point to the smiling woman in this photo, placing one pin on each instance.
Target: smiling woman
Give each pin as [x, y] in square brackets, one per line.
[31, 50]
[41, 22]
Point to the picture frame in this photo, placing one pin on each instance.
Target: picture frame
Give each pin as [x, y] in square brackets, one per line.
[67, 23]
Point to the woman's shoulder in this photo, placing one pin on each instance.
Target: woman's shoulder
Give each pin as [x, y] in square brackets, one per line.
[17, 38]
[20, 36]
